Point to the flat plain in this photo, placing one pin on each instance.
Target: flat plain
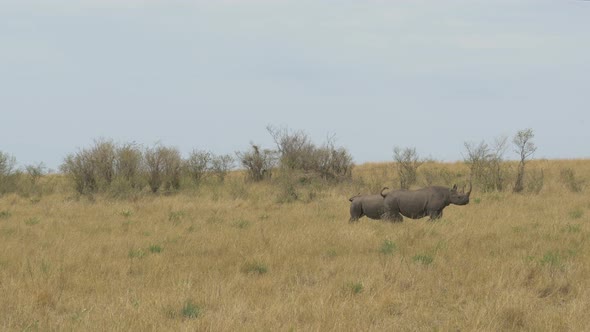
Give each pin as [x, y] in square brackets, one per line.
[236, 257]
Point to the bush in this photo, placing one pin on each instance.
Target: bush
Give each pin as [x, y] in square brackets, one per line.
[333, 163]
[163, 165]
[102, 155]
[8, 173]
[98, 167]
[295, 149]
[198, 165]
[80, 168]
[432, 174]
[34, 173]
[258, 164]
[298, 153]
[407, 162]
[486, 164]
[568, 177]
[535, 181]
[128, 165]
[221, 165]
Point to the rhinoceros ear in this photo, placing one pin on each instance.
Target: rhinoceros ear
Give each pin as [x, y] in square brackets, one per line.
[454, 187]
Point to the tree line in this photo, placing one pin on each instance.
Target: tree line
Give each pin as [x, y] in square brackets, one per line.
[107, 166]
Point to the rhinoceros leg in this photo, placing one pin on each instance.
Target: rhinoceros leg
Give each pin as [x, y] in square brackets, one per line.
[355, 212]
[353, 219]
[393, 216]
[436, 215]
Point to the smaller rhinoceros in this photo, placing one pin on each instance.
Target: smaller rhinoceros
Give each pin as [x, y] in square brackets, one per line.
[367, 205]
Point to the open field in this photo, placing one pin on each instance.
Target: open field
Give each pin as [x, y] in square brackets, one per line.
[231, 257]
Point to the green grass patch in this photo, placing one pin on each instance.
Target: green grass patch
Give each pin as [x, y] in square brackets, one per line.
[136, 253]
[354, 288]
[32, 221]
[573, 228]
[331, 253]
[552, 259]
[126, 213]
[155, 249]
[254, 267]
[5, 214]
[241, 224]
[423, 259]
[176, 216]
[190, 310]
[388, 247]
[576, 213]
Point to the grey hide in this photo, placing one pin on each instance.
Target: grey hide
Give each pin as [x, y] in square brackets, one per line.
[423, 202]
[367, 205]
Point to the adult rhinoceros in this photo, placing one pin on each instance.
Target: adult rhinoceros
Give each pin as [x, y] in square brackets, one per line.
[423, 202]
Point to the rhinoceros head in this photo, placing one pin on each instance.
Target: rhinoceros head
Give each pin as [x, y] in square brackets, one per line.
[460, 197]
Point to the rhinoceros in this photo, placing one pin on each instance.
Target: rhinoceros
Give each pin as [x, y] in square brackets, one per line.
[367, 205]
[423, 202]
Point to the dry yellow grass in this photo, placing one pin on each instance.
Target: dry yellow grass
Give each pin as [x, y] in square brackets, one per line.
[232, 258]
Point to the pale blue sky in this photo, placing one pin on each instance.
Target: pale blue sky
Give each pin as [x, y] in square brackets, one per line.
[213, 74]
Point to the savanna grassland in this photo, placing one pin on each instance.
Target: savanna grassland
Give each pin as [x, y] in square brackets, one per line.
[238, 256]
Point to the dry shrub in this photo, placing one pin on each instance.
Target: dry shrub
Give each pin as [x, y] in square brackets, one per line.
[95, 169]
[8, 173]
[432, 174]
[570, 181]
[298, 153]
[258, 163]
[407, 162]
[221, 165]
[486, 164]
[198, 164]
[128, 165]
[535, 180]
[164, 167]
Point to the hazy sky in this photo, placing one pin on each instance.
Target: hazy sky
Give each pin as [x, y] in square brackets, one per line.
[213, 74]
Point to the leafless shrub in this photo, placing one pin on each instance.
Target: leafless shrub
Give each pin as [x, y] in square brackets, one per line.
[7, 164]
[7, 173]
[407, 162]
[163, 165]
[128, 165]
[333, 163]
[94, 169]
[35, 172]
[221, 165]
[485, 164]
[198, 165]
[80, 169]
[259, 164]
[91, 169]
[298, 153]
[295, 148]
[102, 155]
